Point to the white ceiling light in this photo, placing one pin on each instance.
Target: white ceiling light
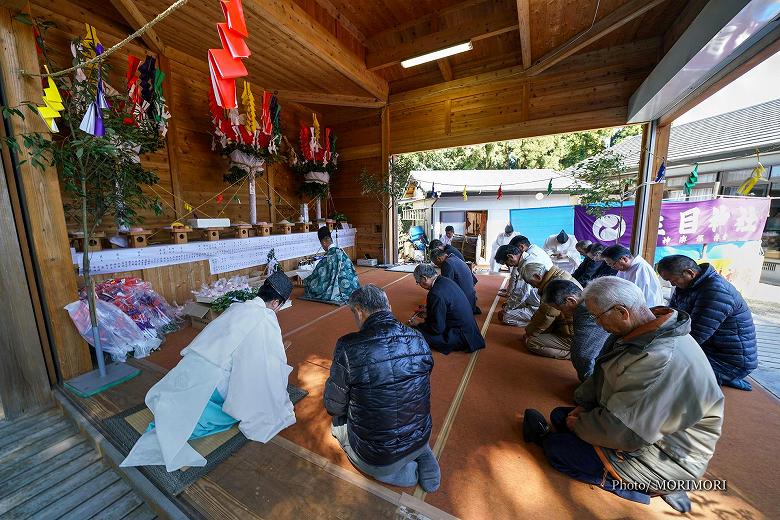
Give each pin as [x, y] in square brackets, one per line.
[437, 55]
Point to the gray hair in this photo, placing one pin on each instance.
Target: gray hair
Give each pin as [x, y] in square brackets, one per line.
[424, 271]
[584, 244]
[608, 291]
[533, 269]
[557, 291]
[370, 298]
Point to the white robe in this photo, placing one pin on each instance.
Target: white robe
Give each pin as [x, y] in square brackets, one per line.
[643, 275]
[570, 259]
[501, 240]
[445, 239]
[247, 339]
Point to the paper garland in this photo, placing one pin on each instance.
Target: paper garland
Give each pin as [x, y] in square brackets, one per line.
[225, 64]
[92, 122]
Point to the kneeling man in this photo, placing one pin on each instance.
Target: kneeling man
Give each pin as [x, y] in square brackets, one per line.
[456, 270]
[379, 394]
[234, 371]
[449, 323]
[334, 279]
[650, 415]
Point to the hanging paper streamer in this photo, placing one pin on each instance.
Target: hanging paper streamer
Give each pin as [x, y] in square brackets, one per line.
[326, 155]
[500, 192]
[92, 122]
[756, 175]
[225, 64]
[250, 116]
[159, 105]
[138, 106]
[661, 172]
[219, 198]
[316, 126]
[52, 104]
[549, 188]
[146, 74]
[187, 207]
[266, 121]
[465, 194]
[693, 178]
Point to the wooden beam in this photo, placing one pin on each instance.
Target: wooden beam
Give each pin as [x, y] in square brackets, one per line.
[40, 195]
[341, 100]
[445, 68]
[128, 10]
[172, 137]
[294, 22]
[491, 24]
[524, 25]
[13, 5]
[342, 20]
[610, 23]
[388, 217]
[447, 116]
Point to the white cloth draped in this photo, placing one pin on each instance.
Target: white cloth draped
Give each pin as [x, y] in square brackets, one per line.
[501, 240]
[247, 341]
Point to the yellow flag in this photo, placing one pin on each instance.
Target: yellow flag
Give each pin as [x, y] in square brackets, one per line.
[756, 175]
[187, 207]
[52, 104]
[250, 115]
[316, 125]
[465, 193]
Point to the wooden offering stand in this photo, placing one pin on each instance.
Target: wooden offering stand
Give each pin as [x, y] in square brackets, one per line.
[331, 224]
[263, 229]
[179, 234]
[242, 230]
[302, 227]
[136, 237]
[211, 234]
[283, 228]
[95, 240]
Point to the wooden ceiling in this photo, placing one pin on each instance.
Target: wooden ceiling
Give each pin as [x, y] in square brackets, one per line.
[348, 52]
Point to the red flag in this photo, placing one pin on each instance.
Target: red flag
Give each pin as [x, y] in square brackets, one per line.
[500, 191]
[220, 198]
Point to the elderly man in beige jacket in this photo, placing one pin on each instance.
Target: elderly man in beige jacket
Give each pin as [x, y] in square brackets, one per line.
[649, 417]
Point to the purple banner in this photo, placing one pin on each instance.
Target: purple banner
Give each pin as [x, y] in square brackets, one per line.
[682, 223]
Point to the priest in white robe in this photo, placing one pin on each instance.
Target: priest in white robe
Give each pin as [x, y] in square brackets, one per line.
[501, 240]
[562, 249]
[234, 371]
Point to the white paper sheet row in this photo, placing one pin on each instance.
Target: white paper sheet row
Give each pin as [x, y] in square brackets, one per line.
[223, 255]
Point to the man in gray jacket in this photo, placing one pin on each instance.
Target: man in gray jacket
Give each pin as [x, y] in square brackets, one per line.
[649, 417]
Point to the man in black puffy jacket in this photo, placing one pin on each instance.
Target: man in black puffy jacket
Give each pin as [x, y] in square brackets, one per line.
[379, 394]
[721, 321]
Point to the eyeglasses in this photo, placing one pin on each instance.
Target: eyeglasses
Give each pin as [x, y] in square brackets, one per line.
[598, 317]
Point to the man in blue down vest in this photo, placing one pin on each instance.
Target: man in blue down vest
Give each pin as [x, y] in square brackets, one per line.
[721, 321]
[449, 323]
[456, 270]
[379, 394]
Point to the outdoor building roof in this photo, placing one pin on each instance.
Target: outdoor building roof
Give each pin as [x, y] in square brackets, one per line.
[488, 181]
[718, 137]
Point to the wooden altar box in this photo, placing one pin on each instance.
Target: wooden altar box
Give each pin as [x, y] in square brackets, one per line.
[302, 227]
[95, 241]
[137, 238]
[331, 224]
[179, 234]
[242, 230]
[283, 229]
[263, 230]
[211, 234]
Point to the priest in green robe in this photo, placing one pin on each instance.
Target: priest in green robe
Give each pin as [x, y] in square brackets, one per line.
[334, 279]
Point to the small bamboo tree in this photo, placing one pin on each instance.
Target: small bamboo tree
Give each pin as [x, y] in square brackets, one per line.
[601, 182]
[100, 175]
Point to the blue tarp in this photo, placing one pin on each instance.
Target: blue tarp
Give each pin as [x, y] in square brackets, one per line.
[539, 223]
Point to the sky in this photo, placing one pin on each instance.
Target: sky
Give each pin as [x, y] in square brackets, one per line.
[756, 86]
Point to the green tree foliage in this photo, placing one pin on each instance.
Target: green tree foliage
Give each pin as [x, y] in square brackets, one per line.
[557, 152]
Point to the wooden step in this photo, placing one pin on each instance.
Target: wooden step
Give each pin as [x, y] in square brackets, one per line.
[25, 421]
[37, 453]
[77, 497]
[39, 471]
[95, 503]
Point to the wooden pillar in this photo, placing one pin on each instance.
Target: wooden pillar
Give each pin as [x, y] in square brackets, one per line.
[647, 212]
[24, 386]
[40, 196]
[389, 218]
[172, 147]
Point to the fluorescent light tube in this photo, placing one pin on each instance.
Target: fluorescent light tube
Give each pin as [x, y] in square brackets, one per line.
[437, 55]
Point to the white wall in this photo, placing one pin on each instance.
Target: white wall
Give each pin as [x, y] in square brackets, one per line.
[498, 210]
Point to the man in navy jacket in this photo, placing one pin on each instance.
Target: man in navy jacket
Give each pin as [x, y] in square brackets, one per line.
[456, 270]
[449, 323]
[721, 321]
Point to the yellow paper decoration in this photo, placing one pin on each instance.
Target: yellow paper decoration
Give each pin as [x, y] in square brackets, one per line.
[90, 41]
[187, 207]
[746, 187]
[248, 100]
[465, 193]
[316, 125]
[52, 104]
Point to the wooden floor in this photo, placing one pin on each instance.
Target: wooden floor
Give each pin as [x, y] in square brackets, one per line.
[48, 470]
[487, 471]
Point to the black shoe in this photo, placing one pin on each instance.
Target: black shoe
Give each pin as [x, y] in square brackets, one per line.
[679, 501]
[535, 426]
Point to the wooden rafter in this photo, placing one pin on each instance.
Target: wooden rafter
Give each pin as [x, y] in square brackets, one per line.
[342, 20]
[493, 23]
[128, 10]
[298, 25]
[613, 21]
[446, 69]
[524, 25]
[343, 100]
